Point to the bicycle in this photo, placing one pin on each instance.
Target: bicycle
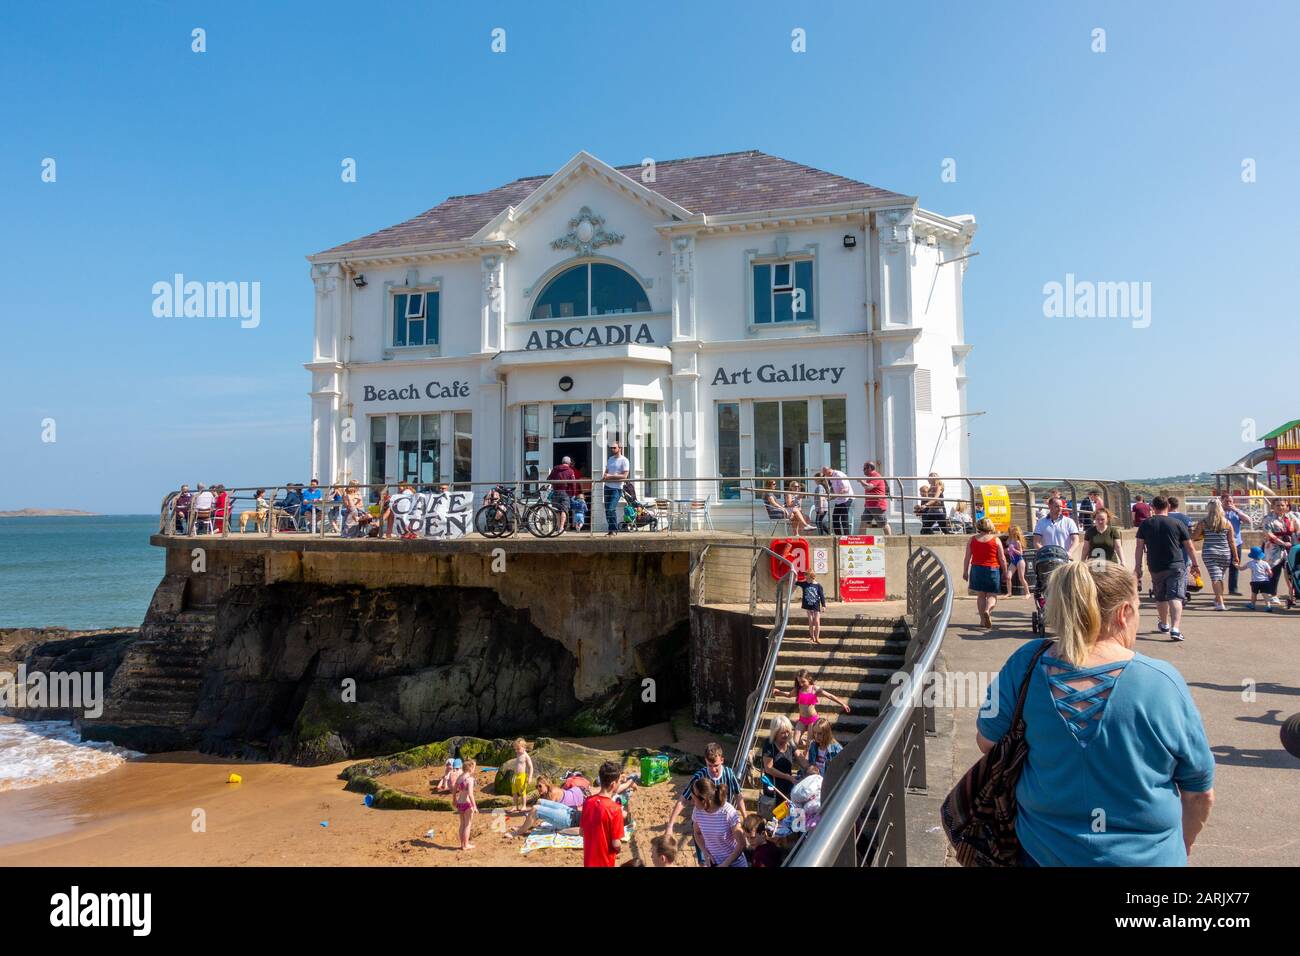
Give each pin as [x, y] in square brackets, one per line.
[542, 519]
[501, 517]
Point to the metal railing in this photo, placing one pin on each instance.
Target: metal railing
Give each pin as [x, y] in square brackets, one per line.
[743, 763]
[739, 505]
[863, 818]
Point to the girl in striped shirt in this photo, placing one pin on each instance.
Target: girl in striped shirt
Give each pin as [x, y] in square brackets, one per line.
[717, 825]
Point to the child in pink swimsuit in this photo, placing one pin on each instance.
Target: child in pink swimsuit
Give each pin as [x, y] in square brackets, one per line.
[805, 694]
[466, 805]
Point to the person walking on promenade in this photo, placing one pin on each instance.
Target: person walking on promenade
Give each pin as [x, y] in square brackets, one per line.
[985, 568]
[1278, 538]
[1102, 540]
[1217, 551]
[616, 472]
[1235, 517]
[875, 507]
[1056, 528]
[1107, 728]
[1016, 545]
[1167, 544]
[841, 501]
[1141, 511]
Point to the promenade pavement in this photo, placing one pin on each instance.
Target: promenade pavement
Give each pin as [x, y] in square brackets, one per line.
[1226, 656]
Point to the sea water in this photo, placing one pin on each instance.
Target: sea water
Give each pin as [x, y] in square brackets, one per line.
[77, 572]
[37, 752]
[80, 573]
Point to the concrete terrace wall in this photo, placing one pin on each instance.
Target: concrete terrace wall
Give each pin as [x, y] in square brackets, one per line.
[599, 605]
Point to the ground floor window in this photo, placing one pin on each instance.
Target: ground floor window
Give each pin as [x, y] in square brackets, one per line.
[835, 434]
[463, 450]
[378, 453]
[532, 445]
[651, 419]
[420, 457]
[776, 439]
[780, 439]
[729, 448]
[418, 448]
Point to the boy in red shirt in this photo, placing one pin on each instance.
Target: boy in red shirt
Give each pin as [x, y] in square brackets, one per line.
[602, 820]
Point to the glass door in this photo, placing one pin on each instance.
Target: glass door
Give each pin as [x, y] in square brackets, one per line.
[571, 436]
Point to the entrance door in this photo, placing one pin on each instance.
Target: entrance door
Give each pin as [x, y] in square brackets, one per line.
[571, 436]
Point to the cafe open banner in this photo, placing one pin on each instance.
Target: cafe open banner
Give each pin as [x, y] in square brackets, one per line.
[997, 506]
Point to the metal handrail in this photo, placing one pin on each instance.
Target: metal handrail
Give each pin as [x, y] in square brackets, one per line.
[780, 617]
[855, 779]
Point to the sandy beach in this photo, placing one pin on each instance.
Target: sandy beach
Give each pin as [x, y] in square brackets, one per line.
[143, 813]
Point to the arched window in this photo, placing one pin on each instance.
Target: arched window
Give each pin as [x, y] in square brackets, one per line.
[591, 289]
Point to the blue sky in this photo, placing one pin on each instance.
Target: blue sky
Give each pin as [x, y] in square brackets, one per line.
[1115, 166]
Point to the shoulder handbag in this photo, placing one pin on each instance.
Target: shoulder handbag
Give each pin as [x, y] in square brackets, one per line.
[979, 815]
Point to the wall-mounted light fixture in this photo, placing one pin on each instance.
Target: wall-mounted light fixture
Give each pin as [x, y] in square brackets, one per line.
[359, 281]
[566, 384]
[850, 240]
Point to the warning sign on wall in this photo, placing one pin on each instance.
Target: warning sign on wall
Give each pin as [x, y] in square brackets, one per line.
[862, 568]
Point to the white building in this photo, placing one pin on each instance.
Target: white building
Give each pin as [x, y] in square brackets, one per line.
[737, 315]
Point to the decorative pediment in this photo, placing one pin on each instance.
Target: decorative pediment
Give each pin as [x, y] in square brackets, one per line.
[586, 234]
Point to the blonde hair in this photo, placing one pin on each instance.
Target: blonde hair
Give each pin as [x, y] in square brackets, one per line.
[822, 733]
[1081, 596]
[1016, 535]
[1213, 520]
[986, 526]
[520, 742]
[779, 723]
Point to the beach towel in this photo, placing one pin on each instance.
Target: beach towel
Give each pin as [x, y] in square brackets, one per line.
[539, 840]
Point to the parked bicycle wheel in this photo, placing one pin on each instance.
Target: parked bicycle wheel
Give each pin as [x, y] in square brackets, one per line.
[543, 521]
[495, 521]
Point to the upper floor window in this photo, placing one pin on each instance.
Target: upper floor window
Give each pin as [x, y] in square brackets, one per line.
[415, 318]
[590, 289]
[783, 291]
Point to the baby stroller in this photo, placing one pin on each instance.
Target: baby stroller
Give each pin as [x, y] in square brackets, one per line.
[1046, 560]
[635, 513]
[1293, 570]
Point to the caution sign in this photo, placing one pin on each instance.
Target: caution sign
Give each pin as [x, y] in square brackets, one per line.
[997, 506]
[862, 568]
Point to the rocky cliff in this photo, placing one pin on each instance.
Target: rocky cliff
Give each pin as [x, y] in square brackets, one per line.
[314, 673]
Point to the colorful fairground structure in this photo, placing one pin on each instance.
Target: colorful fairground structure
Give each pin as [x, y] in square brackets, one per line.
[1280, 455]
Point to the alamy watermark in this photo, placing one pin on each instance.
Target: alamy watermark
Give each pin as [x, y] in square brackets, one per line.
[208, 300]
[57, 690]
[948, 689]
[1085, 299]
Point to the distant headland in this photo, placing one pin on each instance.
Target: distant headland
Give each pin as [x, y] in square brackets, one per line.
[47, 513]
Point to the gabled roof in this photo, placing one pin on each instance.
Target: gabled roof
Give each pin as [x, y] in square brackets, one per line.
[724, 184]
[1281, 430]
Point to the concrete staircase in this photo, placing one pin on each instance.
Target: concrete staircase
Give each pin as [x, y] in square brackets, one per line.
[158, 682]
[854, 661]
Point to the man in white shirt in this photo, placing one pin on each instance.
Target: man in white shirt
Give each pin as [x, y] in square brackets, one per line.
[841, 501]
[1056, 528]
[617, 470]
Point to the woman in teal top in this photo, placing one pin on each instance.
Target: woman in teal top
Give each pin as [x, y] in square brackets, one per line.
[1119, 771]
